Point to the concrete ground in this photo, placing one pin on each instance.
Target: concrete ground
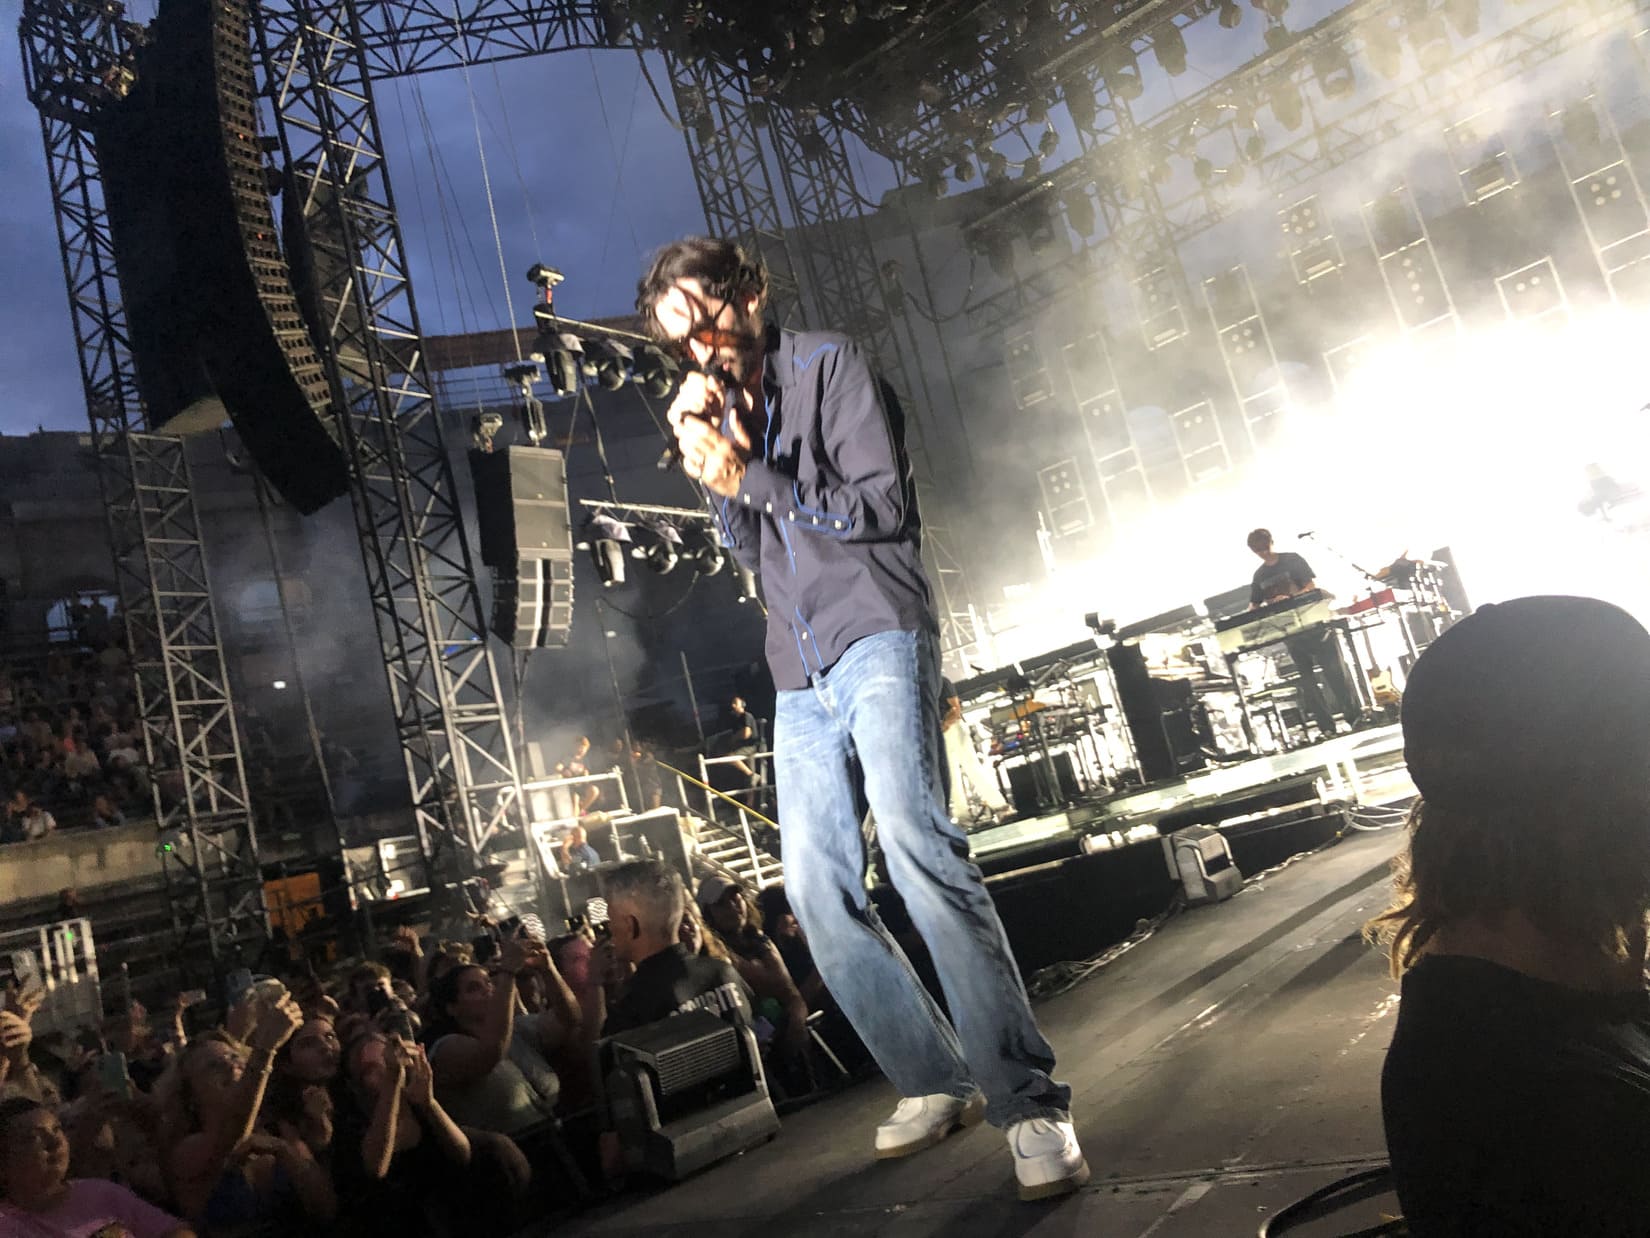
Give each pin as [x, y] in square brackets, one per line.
[1223, 1067]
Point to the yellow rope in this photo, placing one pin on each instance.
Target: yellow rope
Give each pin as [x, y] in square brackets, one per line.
[705, 786]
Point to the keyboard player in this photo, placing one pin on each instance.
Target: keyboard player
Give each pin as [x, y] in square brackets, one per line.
[1324, 689]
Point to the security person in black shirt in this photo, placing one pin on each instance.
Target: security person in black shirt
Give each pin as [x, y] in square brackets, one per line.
[1323, 685]
[645, 904]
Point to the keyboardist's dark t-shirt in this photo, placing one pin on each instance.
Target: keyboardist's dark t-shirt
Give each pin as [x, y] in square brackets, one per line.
[1289, 574]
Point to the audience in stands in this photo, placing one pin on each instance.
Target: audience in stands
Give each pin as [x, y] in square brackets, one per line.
[69, 732]
[105, 815]
[1516, 1093]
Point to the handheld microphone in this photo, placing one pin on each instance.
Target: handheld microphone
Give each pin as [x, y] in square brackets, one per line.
[1308, 533]
[670, 457]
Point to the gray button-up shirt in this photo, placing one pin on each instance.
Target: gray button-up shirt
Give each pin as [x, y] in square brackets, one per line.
[827, 513]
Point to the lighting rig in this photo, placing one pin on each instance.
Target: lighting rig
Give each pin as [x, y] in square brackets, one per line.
[664, 539]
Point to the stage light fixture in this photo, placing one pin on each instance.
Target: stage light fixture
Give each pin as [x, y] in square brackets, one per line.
[1048, 143]
[1204, 170]
[702, 552]
[1277, 36]
[1078, 93]
[1275, 9]
[1254, 146]
[746, 580]
[1121, 73]
[604, 539]
[1430, 38]
[1031, 167]
[1383, 48]
[1462, 15]
[1287, 105]
[564, 361]
[1231, 16]
[1169, 46]
[1333, 69]
[996, 168]
[964, 171]
[1079, 208]
[654, 372]
[609, 364]
[665, 550]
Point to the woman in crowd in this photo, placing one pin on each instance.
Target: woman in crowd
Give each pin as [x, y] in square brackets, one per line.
[734, 919]
[299, 1096]
[224, 1172]
[491, 1067]
[400, 1153]
[38, 1197]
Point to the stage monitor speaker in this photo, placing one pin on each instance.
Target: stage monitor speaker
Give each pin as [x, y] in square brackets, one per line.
[527, 539]
[685, 1092]
[1029, 783]
[251, 335]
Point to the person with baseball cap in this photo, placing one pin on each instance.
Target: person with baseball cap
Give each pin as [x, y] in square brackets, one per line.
[1516, 1093]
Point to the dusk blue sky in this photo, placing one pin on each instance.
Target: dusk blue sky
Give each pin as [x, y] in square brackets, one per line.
[595, 214]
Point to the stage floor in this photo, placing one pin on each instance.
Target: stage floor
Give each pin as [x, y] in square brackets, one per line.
[1223, 1067]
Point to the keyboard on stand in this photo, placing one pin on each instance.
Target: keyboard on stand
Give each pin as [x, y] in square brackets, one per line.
[1266, 625]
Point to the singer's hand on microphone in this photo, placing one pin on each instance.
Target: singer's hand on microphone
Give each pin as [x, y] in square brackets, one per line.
[700, 396]
[712, 457]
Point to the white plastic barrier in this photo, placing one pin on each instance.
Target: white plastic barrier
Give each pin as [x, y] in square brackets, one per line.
[64, 956]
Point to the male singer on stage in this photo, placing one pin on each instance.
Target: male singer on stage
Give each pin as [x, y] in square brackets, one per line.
[1324, 690]
[803, 449]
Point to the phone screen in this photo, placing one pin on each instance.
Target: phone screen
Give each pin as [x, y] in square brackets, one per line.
[112, 1074]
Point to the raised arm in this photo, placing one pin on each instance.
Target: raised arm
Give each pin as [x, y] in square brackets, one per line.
[418, 1085]
[464, 1059]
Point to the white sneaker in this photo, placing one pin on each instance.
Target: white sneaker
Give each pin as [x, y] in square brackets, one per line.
[920, 1122]
[1047, 1160]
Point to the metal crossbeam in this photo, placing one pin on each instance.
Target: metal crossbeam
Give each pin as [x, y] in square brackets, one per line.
[444, 684]
[79, 59]
[402, 37]
[731, 172]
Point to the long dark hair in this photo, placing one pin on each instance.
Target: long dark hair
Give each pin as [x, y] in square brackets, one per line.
[443, 993]
[725, 270]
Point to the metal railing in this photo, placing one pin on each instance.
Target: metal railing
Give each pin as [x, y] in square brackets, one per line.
[742, 811]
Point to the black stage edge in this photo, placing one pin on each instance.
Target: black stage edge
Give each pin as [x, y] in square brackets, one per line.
[1224, 1066]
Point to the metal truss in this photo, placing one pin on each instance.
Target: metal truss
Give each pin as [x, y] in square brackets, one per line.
[79, 59]
[444, 685]
[1459, 87]
[1018, 49]
[731, 171]
[400, 37]
[848, 290]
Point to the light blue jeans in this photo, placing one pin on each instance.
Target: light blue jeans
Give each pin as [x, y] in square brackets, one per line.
[872, 721]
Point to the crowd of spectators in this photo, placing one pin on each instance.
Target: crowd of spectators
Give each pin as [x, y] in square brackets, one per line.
[447, 1087]
[70, 737]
